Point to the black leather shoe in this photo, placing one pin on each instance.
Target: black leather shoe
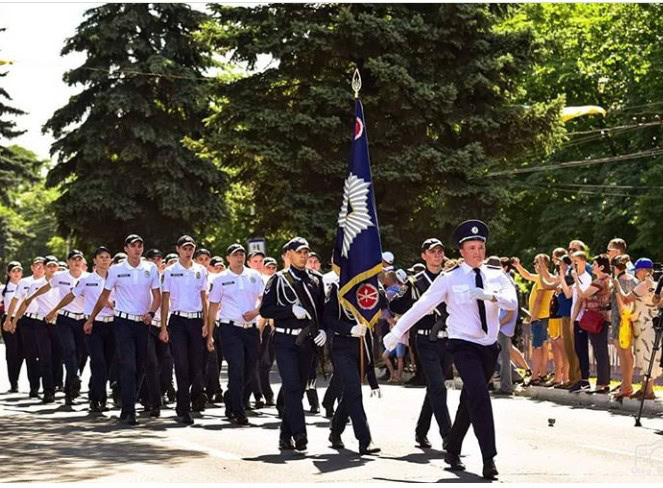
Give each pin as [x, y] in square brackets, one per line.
[242, 420]
[33, 394]
[286, 444]
[13, 389]
[131, 419]
[315, 409]
[48, 398]
[369, 448]
[155, 412]
[68, 400]
[454, 462]
[187, 419]
[247, 406]
[301, 442]
[94, 407]
[336, 441]
[269, 402]
[489, 470]
[329, 413]
[422, 441]
[259, 404]
[199, 404]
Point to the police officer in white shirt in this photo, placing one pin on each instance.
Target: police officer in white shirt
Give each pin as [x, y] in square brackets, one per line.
[474, 294]
[24, 327]
[45, 333]
[159, 361]
[184, 296]
[69, 322]
[99, 334]
[137, 297]
[238, 292]
[13, 346]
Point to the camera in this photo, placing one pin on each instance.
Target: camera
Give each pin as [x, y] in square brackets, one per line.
[566, 259]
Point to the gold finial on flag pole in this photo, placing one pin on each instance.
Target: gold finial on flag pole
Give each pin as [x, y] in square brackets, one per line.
[356, 82]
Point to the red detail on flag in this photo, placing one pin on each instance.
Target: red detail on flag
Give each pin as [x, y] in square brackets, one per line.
[367, 296]
[359, 128]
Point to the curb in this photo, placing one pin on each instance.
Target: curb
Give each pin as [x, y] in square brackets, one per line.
[598, 401]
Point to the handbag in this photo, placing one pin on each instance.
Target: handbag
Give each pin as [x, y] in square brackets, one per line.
[625, 328]
[592, 321]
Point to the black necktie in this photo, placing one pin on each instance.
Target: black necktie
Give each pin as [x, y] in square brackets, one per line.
[482, 306]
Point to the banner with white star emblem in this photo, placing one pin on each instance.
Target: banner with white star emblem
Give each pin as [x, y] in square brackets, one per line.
[357, 252]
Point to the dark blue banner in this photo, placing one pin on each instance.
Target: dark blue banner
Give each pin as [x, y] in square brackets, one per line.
[357, 252]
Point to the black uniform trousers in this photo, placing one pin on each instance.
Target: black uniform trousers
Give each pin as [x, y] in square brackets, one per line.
[101, 347]
[265, 362]
[334, 388]
[212, 362]
[72, 341]
[435, 361]
[346, 351]
[150, 373]
[240, 347]
[475, 364]
[294, 363]
[131, 345]
[48, 346]
[13, 352]
[188, 346]
[26, 331]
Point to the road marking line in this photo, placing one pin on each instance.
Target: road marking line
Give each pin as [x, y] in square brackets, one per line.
[621, 453]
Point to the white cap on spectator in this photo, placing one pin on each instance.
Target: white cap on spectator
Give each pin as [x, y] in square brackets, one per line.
[388, 257]
[401, 275]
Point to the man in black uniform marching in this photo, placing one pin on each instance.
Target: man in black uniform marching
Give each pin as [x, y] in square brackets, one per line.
[294, 298]
[431, 339]
[349, 343]
[474, 294]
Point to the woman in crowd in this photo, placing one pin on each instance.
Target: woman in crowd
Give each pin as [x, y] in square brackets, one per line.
[597, 301]
[622, 314]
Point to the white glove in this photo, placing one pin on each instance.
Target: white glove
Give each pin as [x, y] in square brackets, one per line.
[300, 312]
[376, 393]
[480, 294]
[390, 341]
[321, 338]
[358, 330]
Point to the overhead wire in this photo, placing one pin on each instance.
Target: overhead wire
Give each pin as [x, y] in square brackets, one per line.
[581, 162]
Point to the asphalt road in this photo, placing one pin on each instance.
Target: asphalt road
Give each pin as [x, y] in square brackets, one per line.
[49, 444]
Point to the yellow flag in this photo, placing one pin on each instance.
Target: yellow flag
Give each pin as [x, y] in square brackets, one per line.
[569, 113]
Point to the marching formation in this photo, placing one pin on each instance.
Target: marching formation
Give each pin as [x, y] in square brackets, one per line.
[139, 318]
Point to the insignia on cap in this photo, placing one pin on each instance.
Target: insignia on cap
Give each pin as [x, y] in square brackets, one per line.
[475, 229]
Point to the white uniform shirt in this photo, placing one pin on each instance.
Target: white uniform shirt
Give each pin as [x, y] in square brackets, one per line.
[464, 322]
[10, 291]
[133, 286]
[46, 302]
[22, 292]
[64, 282]
[89, 288]
[237, 294]
[184, 286]
[585, 280]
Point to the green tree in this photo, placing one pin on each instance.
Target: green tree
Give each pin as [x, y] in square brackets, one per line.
[598, 54]
[27, 223]
[122, 165]
[438, 88]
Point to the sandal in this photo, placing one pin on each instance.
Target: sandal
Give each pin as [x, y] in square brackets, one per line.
[650, 396]
[616, 388]
[637, 395]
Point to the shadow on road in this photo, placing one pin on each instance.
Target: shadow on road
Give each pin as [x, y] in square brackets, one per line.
[76, 446]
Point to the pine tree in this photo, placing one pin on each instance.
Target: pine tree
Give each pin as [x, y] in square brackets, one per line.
[122, 164]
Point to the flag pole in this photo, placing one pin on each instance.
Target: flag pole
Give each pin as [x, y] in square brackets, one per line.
[356, 86]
